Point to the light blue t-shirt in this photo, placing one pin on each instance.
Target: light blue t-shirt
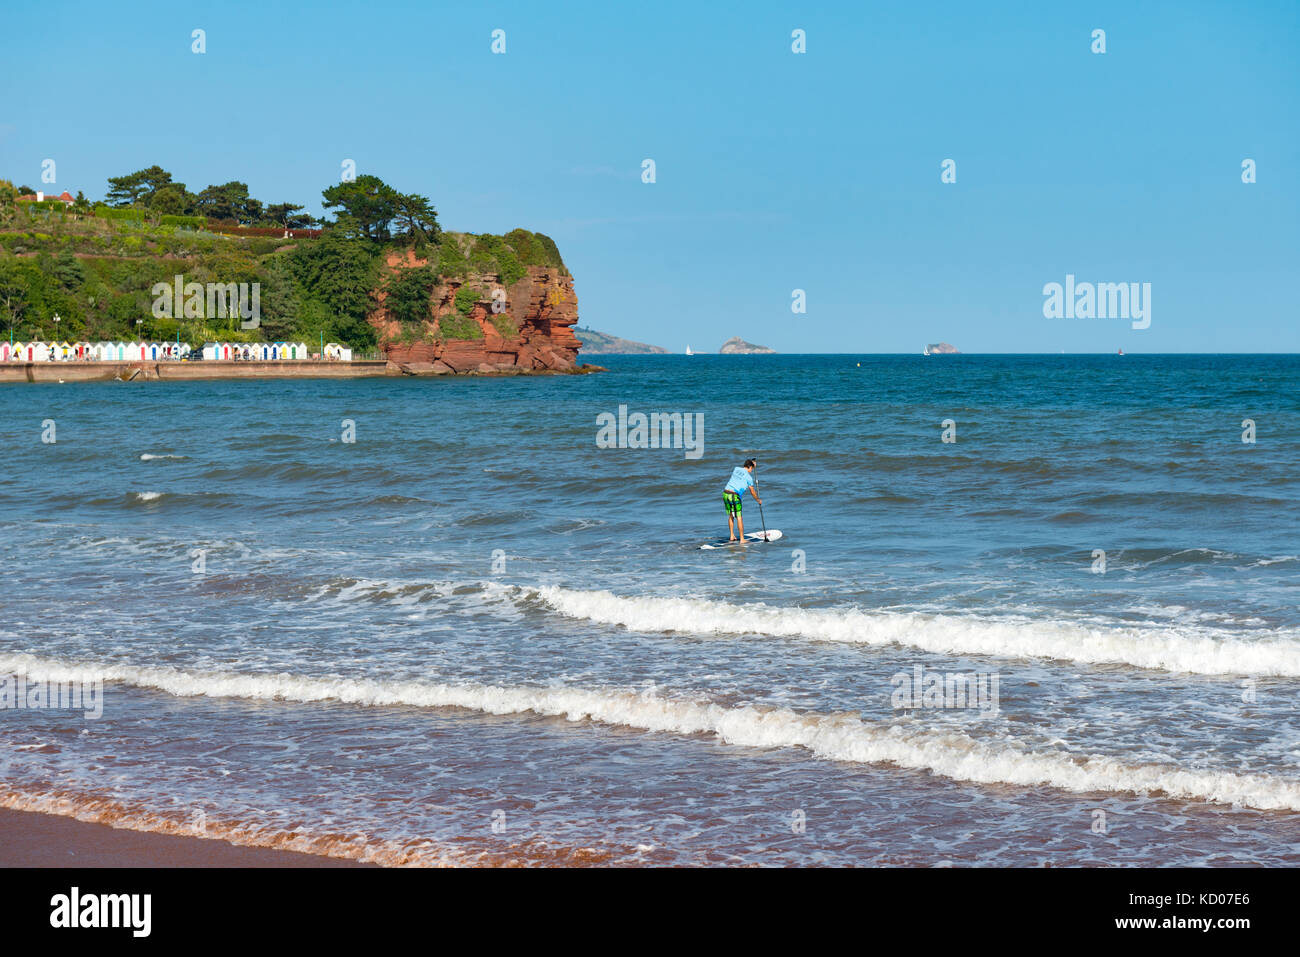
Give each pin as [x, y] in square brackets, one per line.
[740, 481]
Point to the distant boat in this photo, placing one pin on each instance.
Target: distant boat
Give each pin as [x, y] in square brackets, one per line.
[1121, 352]
[689, 352]
[925, 350]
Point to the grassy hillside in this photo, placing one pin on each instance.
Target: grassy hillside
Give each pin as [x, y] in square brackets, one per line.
[96, 273]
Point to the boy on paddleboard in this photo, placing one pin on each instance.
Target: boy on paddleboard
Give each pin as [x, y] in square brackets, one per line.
[741, 479]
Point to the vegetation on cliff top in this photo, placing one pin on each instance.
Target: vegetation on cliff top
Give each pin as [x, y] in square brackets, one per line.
[95, 267]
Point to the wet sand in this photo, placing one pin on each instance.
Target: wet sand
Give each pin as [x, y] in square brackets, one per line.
[32, 839]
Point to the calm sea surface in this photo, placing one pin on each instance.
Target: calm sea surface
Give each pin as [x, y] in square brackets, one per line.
[473, 636]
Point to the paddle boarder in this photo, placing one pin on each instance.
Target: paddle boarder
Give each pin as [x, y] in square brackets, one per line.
[742, 479]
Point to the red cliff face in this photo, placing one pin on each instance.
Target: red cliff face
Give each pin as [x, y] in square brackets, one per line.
[542, 306]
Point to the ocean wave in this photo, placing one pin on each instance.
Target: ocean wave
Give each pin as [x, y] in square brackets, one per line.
[834, 737]
[1155, 648]
[147, 457]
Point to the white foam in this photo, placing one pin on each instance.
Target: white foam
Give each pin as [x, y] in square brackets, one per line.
[836, 737]
[1162, 649]
[149, 457]
[148, 496]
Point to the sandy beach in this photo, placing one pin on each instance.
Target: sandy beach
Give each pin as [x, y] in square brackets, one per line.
[32, 839]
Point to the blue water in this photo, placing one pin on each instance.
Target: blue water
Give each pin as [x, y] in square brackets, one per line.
[473, 635]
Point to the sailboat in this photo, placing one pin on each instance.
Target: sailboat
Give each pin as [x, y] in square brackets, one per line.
[925, 350]
[688, 351]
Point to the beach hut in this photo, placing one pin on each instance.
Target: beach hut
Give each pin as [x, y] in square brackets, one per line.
[4, 352]
[298, 350]
[335, 351]
[211, 350]
[38, 352]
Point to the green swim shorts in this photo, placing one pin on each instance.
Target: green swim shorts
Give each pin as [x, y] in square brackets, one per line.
[731, 502]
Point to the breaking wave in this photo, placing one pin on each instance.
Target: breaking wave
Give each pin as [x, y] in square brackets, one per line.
[834, 737]
[1156, 648]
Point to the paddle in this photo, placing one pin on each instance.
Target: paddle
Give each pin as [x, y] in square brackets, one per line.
[760, 512]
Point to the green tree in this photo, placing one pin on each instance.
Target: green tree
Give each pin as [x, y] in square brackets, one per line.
[417, 221]
[172, 200]
[288, 215]
[227, 201]
[409, 292]
[368, 206]
[339, 271]
[68, 270]
[137, 188]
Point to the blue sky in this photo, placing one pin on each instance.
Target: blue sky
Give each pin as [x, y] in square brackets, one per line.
[775, 171]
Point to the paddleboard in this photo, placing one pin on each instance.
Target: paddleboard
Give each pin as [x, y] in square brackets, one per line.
[751, 538]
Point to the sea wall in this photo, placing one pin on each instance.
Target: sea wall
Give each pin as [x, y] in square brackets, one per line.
[13, 372]
[128, 371]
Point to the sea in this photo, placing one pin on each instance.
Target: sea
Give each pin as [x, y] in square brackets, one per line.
[1026, 610]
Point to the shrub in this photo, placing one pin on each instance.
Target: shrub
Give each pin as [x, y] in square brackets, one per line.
[187, 222]
[466, 298]
[110, 212]
[451, 261]
[457, 326]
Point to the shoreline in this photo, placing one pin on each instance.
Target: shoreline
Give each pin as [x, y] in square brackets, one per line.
[38, 839]
[215, 369]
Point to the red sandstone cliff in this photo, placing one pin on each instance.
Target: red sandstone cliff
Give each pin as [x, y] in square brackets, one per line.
[542, 304]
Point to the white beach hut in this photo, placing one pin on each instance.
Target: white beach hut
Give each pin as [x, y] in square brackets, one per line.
[335, 351]
[38, 352]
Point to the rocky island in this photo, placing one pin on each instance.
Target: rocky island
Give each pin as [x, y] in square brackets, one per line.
[602, 344]
[738, 346]
[941, 349]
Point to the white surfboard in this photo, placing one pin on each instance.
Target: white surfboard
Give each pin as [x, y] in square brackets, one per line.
[751, 538]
